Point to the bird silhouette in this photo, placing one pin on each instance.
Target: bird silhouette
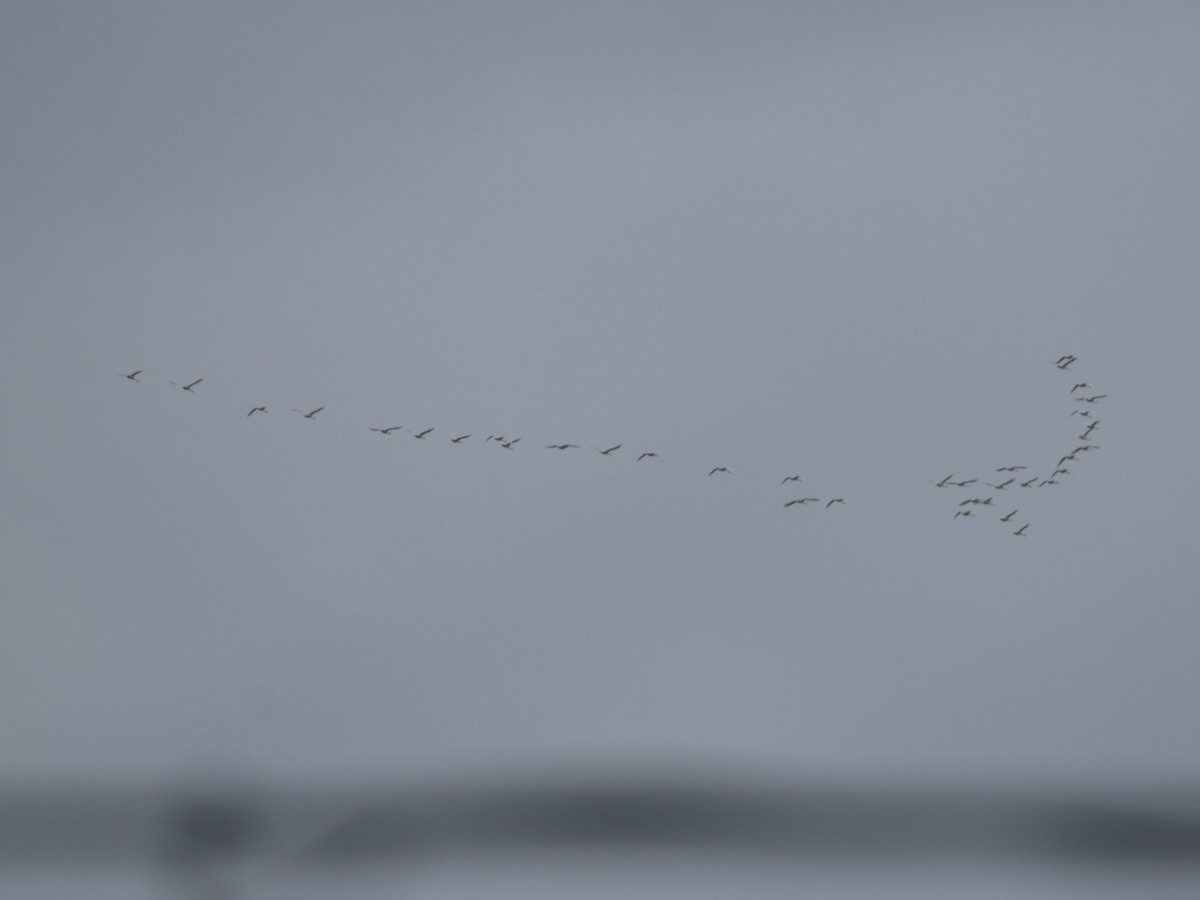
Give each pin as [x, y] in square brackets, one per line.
[459, 439]
[1082, 384]
[187, 387]
[800, 502]
[794, 478]
[1009, 516]
[308, 415]
[610, 450]
[133, 376]
[561, 446]
[1011, 468]
[1091, 399]
[718, 469]
[835, 500]
[1002, 486]
[261, 409]
[387, 430]
[420, 435]
[963, 512]
[648, 454]
[1020, 532]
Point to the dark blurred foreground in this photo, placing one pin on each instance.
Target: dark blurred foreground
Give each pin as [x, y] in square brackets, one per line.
[200, 835]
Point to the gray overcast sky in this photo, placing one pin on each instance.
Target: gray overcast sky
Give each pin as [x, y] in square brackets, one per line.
[842, 240]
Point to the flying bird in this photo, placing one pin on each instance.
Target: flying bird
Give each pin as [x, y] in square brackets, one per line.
[308, 415]
[187, 387]
[421, 434]
[798, 478]
[459, 439]
[561, 446]
[801, 502]
[1091, 399]
[1011, 468]
[1030, 482]
[508, 445]
[648, 454]
[963, 512]
[1009, 516]
[1002, 486]
[387, 430]
[1082, 384]
[1020, 532]
[964, 483]
[1065, 362]
[133, 376]
[835, 500]
[610, 450]
[261, 409]
[723, 469]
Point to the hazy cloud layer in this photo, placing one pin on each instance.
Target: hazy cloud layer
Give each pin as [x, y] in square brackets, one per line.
[845, 241]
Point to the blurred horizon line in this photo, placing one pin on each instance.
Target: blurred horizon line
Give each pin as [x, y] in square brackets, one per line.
[326, 825]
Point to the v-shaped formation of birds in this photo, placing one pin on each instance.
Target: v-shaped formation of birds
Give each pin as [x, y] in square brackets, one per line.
[1004, 479]
[1016, 478]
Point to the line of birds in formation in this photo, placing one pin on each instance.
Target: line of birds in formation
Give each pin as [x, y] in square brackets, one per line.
[1063, 363]
[506, 442]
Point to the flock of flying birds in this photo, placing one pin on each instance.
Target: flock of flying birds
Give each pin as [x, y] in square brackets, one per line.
[1006, 478]
[1016, 478]
[509, 442]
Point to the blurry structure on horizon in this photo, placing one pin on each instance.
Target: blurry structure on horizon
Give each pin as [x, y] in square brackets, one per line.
[220, 841]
